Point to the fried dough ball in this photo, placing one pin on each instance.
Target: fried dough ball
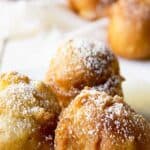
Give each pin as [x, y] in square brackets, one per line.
[129, 29]
[96, 121]
[91, 9]
[28, 113]
[79, 63]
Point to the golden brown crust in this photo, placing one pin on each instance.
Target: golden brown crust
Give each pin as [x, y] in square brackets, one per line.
[83, 63]
[97, 121]
[28, 113]
[129, 33]
[9, 78]
[91, 9]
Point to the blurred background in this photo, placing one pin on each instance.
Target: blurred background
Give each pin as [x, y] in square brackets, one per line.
[31, 31]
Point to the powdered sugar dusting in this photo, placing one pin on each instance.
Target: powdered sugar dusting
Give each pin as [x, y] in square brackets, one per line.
[84, 62]
[96, 114]
[13, 76]
[112, 86]
[24, 106]
[18, 99]
[95, 55]
[116, 108]
[119, 120]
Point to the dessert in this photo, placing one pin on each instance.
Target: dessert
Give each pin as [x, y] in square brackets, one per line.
[129, 29]
[94, 120]
[82, 62]
[28, 113]
[91, 9]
